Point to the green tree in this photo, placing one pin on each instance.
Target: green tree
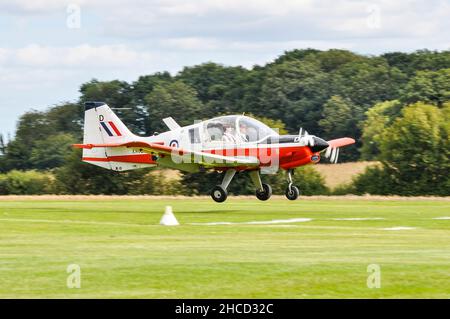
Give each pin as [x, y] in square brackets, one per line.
[295, 55]
[32, 126]
[378, 118]
[374, 180]
[177, 100]
[428, 86]
[209, 79]
[26, 183]
[415, 150]
[294, 92]
[333, 59]
[410, 63]
[145, 85]
[220, 88]
[367, 82]
[140, 90]
[340, 118]
[52, 151]
[66, 118]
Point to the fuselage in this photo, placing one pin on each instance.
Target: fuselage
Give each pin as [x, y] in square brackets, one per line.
[233, 135]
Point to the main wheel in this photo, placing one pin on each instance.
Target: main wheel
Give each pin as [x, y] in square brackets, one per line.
[292, 193]
[265, 193]
[219, 194]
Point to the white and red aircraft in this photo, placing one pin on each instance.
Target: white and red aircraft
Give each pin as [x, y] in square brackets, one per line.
[226, 144]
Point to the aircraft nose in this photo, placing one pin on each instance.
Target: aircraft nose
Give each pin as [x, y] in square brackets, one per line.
[319, 145]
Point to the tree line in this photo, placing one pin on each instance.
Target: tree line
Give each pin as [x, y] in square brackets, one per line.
[396, 105]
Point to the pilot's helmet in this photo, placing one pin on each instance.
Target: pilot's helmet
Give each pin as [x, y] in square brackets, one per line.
[215, 130]
[214, 125]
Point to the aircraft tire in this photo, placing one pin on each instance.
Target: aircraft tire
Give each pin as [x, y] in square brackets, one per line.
[265, 193]
[293, 193]
[219, 194]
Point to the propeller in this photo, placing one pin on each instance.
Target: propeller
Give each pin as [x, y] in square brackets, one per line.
[304, 138]
[332, 153]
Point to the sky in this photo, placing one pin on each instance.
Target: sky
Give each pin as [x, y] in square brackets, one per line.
[50, 47]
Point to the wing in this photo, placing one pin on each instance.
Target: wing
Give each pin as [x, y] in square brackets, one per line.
[340, 142]
[181, 155]
[332, 151]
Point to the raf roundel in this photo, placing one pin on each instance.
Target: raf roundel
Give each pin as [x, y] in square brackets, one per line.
[173, 143]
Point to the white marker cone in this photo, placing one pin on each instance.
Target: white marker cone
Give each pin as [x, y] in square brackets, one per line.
[168, 218]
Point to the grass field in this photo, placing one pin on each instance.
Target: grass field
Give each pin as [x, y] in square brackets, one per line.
[124, 253]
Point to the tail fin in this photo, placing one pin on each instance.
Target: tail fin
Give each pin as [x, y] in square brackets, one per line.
[102, 126]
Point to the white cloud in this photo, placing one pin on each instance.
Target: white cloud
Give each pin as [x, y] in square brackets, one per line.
[80, 56]
[3, 55]
[260, 20]
[248, 7]
[168, 7]
[214, 44]
[191, 43]
[35, 6]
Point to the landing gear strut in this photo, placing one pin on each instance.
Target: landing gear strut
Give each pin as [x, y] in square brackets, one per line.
[292, 191]
[263, 191]
[219, 192]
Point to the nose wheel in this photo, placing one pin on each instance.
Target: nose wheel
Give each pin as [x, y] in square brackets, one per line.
[292, 192]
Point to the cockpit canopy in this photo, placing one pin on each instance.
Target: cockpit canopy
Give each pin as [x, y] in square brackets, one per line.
[235, 129]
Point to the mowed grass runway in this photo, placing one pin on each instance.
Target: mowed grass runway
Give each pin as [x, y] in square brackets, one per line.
[124, 253]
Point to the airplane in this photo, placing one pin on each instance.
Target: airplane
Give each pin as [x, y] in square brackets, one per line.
[226, 144]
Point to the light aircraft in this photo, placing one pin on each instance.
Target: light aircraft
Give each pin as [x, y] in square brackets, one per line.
[228, 144]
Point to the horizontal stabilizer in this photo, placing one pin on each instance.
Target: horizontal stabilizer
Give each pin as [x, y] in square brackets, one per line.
[171, 124]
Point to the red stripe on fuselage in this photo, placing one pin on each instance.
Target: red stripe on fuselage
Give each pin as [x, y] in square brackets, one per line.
[137, 158]
[114, 127]
[286, 154]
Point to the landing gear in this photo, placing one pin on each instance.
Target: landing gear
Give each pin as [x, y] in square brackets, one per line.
[292, 194]
[292, 191]
[263, 191]
[219, 192]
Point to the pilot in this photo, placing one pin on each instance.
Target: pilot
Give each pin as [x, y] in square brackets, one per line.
[228, 136]
[215, 131]
[243, 132]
